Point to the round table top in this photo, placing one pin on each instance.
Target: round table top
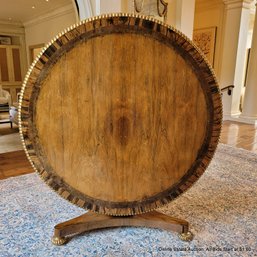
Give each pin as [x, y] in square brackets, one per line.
[120, 114]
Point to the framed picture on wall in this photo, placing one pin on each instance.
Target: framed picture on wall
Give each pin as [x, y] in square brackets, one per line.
[205, 39]
[4, 40]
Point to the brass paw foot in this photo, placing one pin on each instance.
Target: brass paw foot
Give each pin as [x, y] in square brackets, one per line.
[188, 236]
[59, 240]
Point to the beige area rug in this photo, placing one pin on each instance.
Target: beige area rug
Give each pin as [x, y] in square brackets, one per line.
[9, 138]
[221, 209]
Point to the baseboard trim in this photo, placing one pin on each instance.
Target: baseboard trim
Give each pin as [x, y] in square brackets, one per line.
[240, 119]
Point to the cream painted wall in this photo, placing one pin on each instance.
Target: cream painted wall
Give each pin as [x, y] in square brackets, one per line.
[110, 6]
[181, 15]
[44, 28]
[212, 17]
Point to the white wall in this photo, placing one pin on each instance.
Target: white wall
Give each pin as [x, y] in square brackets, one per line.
[44, 28]
[181, 15]
[108, 6]
[86, 9]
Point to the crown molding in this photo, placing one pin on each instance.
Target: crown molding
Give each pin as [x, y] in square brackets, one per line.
[203, 5]
[50, 16]
[11, 28]
[11, 23]
[237, 1]
[232, 4]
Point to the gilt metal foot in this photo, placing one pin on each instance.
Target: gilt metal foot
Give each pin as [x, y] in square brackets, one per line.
[56, 240]
[187, 236]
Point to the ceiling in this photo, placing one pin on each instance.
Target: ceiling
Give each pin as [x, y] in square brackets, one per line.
[25, 10]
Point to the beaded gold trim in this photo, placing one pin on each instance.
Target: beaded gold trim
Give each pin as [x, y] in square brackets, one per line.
[86, 202]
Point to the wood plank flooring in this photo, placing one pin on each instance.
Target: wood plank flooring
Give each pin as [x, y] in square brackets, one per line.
[14, 164]
[239, 135]
[233, 133]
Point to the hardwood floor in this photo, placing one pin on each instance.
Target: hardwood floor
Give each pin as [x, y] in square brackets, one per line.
[233, 133]
[239, 135]
[14, 164]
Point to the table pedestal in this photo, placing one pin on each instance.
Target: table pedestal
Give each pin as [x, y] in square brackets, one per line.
[91, 221]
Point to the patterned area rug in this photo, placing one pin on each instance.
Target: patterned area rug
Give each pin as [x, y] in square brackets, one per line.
[221, 208]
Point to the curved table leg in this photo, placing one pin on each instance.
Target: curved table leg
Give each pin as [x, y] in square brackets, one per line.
[91, 221]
